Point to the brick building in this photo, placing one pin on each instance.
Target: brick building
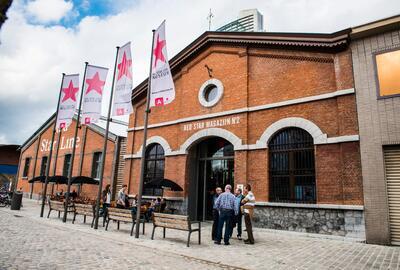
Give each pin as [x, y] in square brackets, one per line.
[275, 110]
[9, 158]
[376, 59]
[89, 147]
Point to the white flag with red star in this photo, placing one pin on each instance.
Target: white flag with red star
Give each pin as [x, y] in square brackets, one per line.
[68, 99]
[162, 89]
[123, 85]
[93, 93]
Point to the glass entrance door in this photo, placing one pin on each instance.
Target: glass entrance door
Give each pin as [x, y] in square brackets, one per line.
[216, 169]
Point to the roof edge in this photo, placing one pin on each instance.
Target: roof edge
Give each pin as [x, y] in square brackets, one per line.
[375, 27]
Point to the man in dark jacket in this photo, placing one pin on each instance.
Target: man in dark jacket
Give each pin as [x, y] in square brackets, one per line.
[218, 191]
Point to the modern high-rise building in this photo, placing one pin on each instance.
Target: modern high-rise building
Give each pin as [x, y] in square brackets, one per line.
[250, 20]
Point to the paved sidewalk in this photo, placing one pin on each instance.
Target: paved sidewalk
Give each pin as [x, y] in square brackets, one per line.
[31, 242]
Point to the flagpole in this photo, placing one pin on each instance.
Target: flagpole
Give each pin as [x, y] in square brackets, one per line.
[44, 192]
[55, 158]
[103, 156]
[142, 160]
[71, 167]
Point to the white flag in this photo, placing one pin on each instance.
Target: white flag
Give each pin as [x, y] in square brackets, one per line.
[93, 93]
[123, 85]
[162, 86]
[68, 99]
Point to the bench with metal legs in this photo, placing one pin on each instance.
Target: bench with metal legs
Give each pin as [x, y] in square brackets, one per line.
[176, 222]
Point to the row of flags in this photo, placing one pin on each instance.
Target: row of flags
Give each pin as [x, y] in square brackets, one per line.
[162, 89]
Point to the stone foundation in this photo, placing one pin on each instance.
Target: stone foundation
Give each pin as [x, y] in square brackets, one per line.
[341, 222]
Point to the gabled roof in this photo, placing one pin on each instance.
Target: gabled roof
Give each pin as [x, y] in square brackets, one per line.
[306, 41]
[117, 129]
[316, 41]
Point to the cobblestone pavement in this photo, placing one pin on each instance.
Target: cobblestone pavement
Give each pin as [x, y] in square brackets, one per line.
[31, 242]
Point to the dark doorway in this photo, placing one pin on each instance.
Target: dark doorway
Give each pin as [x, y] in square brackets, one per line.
[215, 167]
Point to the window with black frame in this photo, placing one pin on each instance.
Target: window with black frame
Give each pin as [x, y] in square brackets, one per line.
[154, 170]
[292, 167]
[43, 166]
[96, 165]
[26, 167]
[67, 164]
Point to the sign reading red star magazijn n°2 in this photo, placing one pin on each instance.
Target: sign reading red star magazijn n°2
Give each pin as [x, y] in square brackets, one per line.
[123, 84]
[162, 89]
[68, 99]
[93, 93]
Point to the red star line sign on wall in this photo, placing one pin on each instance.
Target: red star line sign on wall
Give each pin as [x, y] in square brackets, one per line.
[162, 89]
[123, 86]
[93, 94]
[67, 106]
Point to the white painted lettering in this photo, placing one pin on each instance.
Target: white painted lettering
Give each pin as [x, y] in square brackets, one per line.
[212, 123]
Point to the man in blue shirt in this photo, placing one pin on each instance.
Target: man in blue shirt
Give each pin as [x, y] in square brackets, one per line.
[226, 204]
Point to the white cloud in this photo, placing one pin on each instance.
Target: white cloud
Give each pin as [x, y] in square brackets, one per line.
[47, 11]
[32, 57]
[3, 139]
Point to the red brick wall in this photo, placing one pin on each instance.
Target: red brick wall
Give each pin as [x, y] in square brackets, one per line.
[253, 77]
[338, 173]
[93, 143]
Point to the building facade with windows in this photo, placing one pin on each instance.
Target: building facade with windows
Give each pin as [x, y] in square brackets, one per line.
[249, 20]
[89, 147]
[9, 158]
[274, 110]
[376, 59]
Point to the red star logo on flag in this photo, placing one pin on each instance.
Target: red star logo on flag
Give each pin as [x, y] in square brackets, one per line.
[123, 67]
[158, 51]
[159, 101]
[70, 92]
[120, 111]
[95, 84]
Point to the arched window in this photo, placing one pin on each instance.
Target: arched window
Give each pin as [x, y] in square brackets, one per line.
[154, 170]
[292, 167]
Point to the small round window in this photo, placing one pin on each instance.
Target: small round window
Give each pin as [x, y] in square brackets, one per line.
[210, 92]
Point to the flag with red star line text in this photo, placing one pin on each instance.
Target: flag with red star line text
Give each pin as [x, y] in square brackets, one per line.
[162, 89]
[93, 93]
[123, 84]
[68, 100]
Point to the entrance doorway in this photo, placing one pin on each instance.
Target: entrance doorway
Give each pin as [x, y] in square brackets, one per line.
[215, 168]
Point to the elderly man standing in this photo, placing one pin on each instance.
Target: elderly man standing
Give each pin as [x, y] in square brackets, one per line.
[226, 204]
[215, 212]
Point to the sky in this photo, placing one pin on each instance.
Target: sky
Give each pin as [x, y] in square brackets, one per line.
[44, 38]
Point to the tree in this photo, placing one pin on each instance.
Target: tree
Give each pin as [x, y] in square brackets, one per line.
[4, 5]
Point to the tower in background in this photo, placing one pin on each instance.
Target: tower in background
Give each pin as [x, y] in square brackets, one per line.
[250, 20]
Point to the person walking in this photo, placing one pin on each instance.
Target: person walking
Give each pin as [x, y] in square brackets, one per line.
[122, 197]
[248, 209]
[238, 217]
[227, 206]
[106, 195]
[215, 213]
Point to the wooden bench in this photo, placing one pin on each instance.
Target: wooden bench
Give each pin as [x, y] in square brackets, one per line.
[84, 210]
[124, 215]
[59, 206]
[176, 222]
